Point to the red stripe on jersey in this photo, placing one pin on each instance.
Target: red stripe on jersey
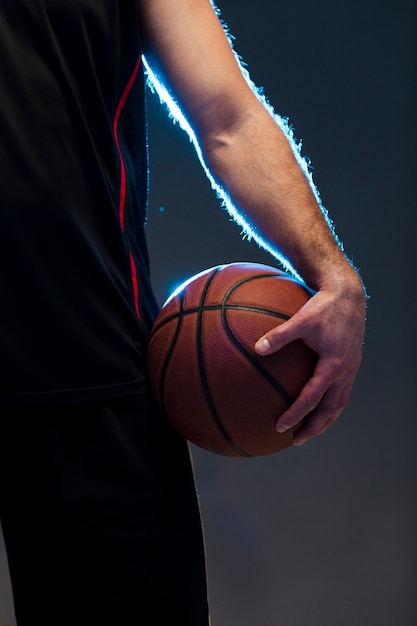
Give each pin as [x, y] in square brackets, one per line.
[122, 190]
[135, 283]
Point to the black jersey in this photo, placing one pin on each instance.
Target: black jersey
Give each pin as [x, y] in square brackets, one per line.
[76, 303]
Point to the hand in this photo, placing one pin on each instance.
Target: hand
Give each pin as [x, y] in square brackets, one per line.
[332, 324]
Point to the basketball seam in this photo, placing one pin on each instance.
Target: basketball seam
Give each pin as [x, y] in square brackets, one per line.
[219, 307]
[237, 343]
[169, 354]
[203, 376]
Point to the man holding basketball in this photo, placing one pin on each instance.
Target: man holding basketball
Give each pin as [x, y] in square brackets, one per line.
[101, 521]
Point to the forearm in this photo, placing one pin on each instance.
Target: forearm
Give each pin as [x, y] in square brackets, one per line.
[255, 165]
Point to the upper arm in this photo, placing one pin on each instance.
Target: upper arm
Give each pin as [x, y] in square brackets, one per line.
[187, 49]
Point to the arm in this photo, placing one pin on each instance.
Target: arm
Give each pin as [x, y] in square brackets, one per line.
[252, 161]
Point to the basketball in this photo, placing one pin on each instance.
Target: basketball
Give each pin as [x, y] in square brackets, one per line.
[206, 376]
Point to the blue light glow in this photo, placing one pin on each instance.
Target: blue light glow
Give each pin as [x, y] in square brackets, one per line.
[248, 231]
[177, 290]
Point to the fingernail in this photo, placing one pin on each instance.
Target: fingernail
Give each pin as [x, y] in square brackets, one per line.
[299, 442]
[282, 428]
[263, 346]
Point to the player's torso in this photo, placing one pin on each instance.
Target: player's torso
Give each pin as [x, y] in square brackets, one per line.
[76, 306]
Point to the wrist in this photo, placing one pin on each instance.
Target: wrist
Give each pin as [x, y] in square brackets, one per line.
[337, 275]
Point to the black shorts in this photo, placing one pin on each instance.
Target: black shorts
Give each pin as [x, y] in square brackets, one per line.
[100, 517]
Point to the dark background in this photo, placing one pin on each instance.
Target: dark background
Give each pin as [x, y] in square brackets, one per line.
[323, 535]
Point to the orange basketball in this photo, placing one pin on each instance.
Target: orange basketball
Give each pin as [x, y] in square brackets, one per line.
[216, 391]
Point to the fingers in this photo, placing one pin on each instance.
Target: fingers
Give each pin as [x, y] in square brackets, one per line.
[332, 326]
[321, 410]
[279, 336]
[307, 402]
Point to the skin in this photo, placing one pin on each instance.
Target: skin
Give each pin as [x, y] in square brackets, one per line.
[247, 154]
